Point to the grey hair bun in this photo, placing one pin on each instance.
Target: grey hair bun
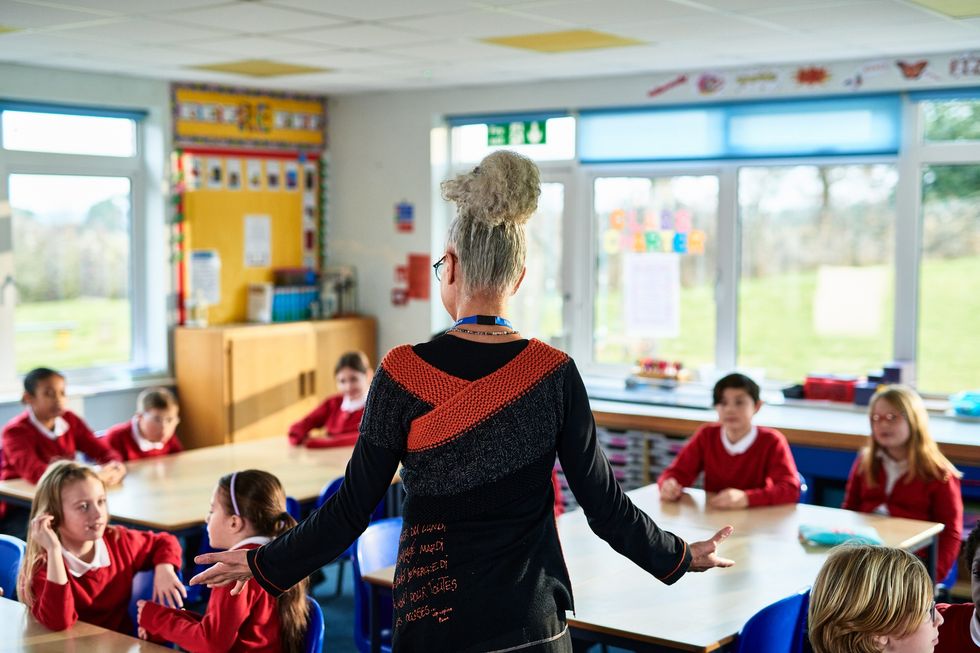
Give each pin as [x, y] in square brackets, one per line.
[503, 188]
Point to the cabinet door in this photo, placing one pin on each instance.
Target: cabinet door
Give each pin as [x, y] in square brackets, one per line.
[271, 372]
[336, 337]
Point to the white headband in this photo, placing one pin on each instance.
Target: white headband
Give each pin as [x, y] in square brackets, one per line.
[234, 504]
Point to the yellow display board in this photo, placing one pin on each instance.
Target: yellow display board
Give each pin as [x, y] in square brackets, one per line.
[208, 115]
[216, 221]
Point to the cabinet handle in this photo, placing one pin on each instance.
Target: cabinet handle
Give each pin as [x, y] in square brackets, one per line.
[312, 374]
[302, 384]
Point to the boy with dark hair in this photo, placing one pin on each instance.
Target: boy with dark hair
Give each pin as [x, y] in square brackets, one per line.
[48, 431]
[151, 432]
[744, 465]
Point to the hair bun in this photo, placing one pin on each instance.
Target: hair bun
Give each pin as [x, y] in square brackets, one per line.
[504, 188]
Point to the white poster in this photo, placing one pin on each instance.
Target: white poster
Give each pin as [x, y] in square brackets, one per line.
[258, 241]
[652, 295]
[850, 301]
[206, 276]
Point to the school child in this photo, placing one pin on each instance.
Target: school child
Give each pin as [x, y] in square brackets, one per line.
[47, 431]
[340, 414]
[151, 431]
[872, 599]
[960, 633]
[745, 465]
[247, 510]
[77, 567]
[902, 473]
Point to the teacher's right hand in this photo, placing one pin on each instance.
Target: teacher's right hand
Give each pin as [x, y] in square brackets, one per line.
[229, 567]
[704, 553]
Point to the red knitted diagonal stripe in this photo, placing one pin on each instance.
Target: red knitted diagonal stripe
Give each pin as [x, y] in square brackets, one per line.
[484, 397]
[428, 383]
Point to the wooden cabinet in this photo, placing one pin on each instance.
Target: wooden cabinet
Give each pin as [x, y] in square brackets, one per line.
[244, 382]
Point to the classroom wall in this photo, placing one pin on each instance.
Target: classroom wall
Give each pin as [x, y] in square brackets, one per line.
[379, 146]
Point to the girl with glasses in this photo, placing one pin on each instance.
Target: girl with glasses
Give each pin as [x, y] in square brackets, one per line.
[902, 473]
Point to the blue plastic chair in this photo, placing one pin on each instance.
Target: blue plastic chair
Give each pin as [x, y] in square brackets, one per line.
[142, 591]
[776, 628]
[12, 551]
[804, 490]
[376, 548]
[313, 643]
[294, 509]
[328, 491]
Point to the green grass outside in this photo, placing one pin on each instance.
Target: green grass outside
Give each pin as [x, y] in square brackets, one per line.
[776, 329]
[96, 331]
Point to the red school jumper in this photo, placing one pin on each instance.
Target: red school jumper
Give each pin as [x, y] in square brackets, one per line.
[247, 622]
[937, 500]
[765, 471]
[341, 426]
[27, 452]
[121, 439]
[101, 596]
[954, 634]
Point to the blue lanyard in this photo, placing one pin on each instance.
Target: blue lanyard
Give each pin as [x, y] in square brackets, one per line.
[484, 319]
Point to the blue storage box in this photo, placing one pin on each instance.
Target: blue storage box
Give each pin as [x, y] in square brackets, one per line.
[966, 403]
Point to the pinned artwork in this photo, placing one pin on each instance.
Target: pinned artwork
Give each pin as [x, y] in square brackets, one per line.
[253, 171]
[966, 65]
[709, 84]
[649, 231]
[216, 180]
[309, 177]
[233, 173]
[404, 217]
[273, 174]
[812, 76]
[292, 175]
[663, 88]
[758, 81]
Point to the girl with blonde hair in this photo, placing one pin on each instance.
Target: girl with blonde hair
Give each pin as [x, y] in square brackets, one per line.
[902, 473]
[77, 567]
[872, 599]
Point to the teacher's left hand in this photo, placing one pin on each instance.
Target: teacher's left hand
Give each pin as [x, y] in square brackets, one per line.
[229, 567]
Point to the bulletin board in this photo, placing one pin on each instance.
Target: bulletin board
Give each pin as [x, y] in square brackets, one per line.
[247, 191]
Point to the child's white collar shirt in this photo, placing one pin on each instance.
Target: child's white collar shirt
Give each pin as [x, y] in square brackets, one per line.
[78, 567]
[975, 628]
[894, 470]
[349, 406]
[141, 442]
[255, 539]
[742, 445]
[60, 425]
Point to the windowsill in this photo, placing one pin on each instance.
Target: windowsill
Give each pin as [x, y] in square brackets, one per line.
[90, 383]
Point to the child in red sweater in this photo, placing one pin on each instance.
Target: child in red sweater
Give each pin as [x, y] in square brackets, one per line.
[151, 431]
[340, 414]
[247, 510]
[47, 431]
[744, 465]
[79, 568]
[902, 473]
[961, 631]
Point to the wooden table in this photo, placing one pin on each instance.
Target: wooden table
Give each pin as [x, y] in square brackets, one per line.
[172, 493]
[20, 632]
[616, 603]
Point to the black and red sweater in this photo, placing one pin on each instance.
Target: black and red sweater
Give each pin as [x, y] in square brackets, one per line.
[476, 427]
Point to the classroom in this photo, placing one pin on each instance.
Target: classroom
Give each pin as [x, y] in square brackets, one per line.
[522, 310]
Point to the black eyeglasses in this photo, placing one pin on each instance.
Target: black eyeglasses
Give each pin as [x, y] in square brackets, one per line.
[932, 613]
[437, 265]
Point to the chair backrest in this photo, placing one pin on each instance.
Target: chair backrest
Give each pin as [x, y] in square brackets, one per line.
[376, 548]
[294, 509]
[314, 629]
[804, 489]
[333, 487]
[12, 550]
[142, 590]
[776, 628]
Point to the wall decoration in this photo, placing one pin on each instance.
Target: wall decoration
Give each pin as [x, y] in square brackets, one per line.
[965, 65]
[912, 69]
[663, 88]
[258, 241]
[273, 174]
[419, 272]
[758, 81]
[709, 83]
[292, 175]
[812, 76]
[404, 217]
[216, 180]
[254, 173]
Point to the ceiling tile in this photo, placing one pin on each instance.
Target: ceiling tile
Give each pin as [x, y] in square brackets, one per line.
[144, 30]
[883, 13]
[253, 18]
[135, 7]
[457, 50]
[600, 12]
[480, 24]
[373, 10]
[710, 29]
[361, 36]
[347, 59]
[22, 15]
[256, 47]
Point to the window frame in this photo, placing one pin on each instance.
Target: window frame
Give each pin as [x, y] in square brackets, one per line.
[132, 168]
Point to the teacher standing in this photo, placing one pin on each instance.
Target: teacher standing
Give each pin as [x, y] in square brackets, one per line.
[476, 417]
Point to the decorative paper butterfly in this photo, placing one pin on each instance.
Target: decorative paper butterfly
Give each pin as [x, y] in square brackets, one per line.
[912, 70]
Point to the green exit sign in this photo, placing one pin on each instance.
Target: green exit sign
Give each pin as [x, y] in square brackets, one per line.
[528, 132]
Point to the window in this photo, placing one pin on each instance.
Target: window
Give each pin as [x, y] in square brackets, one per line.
[949, 304]
[951, 120]
[655, 269]
[71, 181]
[816, 291]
